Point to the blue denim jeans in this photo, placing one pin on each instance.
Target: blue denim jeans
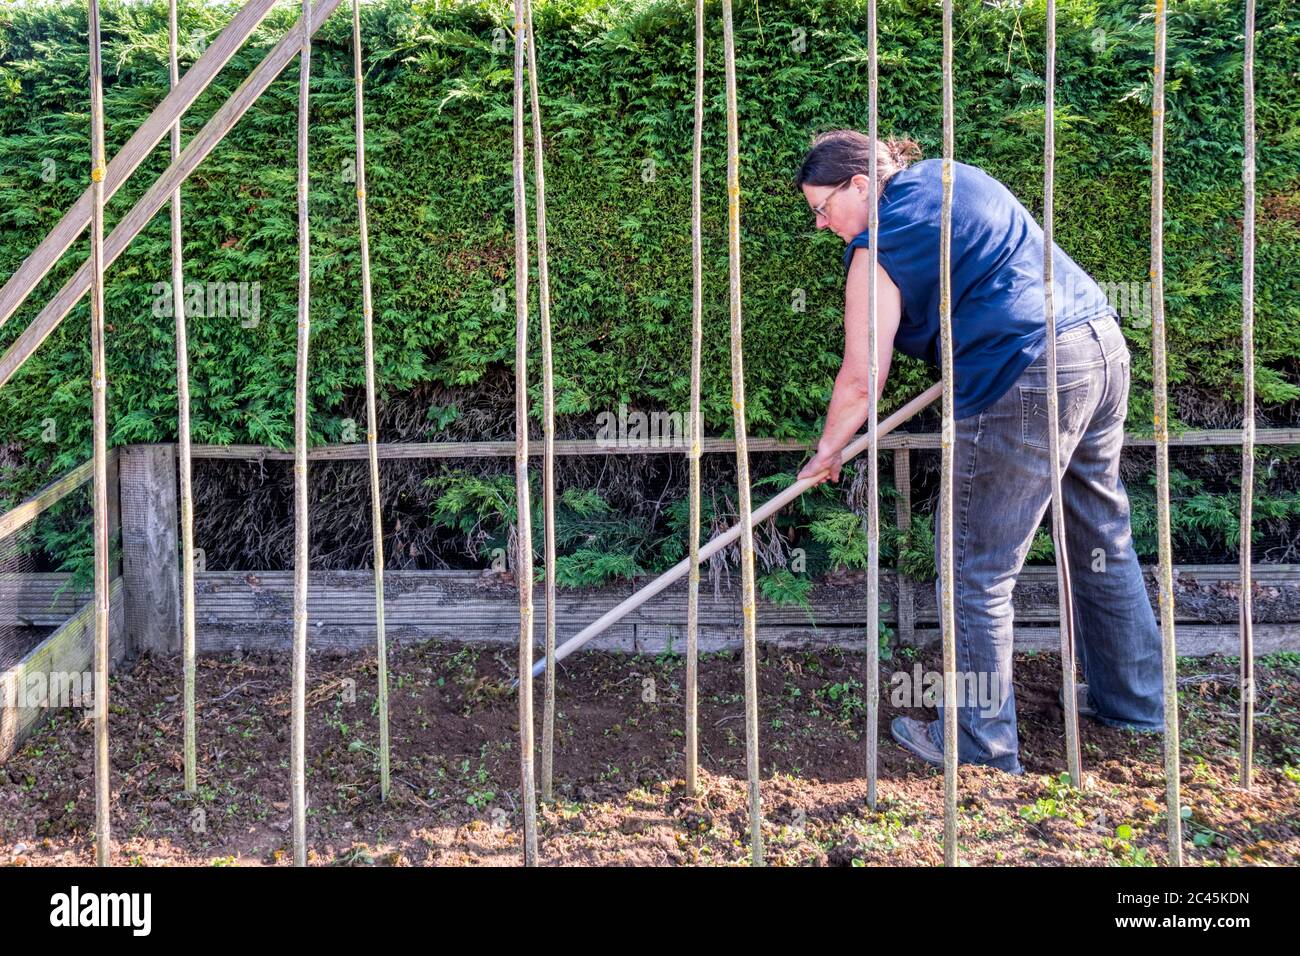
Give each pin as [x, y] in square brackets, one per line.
[1001, 492]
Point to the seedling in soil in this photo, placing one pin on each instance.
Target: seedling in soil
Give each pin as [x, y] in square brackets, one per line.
[1121, 847]
[812, 664]
[668, 658]
[845, 695]
[568, 810]
[1061, 802]
[1202, 834]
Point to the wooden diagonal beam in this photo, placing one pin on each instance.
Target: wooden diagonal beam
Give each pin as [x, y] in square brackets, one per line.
[160, 192]
[140, 145]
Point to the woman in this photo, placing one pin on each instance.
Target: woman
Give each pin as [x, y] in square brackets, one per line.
[1001, 481]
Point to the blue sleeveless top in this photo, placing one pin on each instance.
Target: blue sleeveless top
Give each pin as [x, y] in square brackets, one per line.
[998, 316]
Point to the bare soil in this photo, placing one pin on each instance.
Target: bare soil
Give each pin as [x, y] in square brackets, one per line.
[620, 797]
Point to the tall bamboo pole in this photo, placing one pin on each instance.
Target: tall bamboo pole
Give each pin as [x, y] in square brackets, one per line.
[873, 420]
[1246, 727]
[1159, 377]
[99, 399]
[697, 347]
[372, 418]
[183, 426]
[524, 562]
[298, 772]
[548, 401]
[1063, 586]
[948, 616]
[742, 449]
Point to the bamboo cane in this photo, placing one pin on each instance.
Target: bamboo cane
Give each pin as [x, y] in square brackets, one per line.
[873, 415]
[298, 785]
[1246, 727]
[99, 397]
[742, 451]
[184, 459]
[372, 417]
[548, 425]
[1159, 377]
[946, 611]
[697, 347]
[524, 533]
[1063, 586]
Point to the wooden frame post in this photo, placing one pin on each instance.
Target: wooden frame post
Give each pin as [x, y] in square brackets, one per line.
[150, 548]
[905, 601]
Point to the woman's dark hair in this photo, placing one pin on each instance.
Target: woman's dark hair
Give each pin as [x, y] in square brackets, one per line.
[838, 155]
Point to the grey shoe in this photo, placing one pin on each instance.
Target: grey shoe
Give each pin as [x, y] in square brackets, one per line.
[914, 736]
[1080, 699]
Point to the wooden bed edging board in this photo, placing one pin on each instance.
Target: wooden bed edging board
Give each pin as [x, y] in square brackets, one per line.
[69, 650]
[251, 611]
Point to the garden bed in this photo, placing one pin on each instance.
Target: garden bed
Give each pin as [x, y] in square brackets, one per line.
[619, 768]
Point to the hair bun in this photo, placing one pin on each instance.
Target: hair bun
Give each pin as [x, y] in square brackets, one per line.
[904, 152]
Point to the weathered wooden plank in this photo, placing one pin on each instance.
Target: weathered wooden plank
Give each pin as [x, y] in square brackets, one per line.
[476, 598]
[69, 650]
[1194, 640]
[436, 597]
[1221, 436]
[356, 451]
[662, 638]
[140, 145]
[39, 598]
[477, 449]
[161, 191]
[904, 601]
[225, 638]
[51, 494]
[438, 601]
[46, 497]
[150, 559]
[114, 514]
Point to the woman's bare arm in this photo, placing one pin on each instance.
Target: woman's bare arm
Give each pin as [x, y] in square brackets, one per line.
[848, 406]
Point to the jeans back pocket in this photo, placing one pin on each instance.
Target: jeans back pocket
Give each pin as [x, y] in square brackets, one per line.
[1072, 400]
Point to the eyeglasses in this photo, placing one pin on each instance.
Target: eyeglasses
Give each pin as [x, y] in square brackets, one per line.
[821, 210]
